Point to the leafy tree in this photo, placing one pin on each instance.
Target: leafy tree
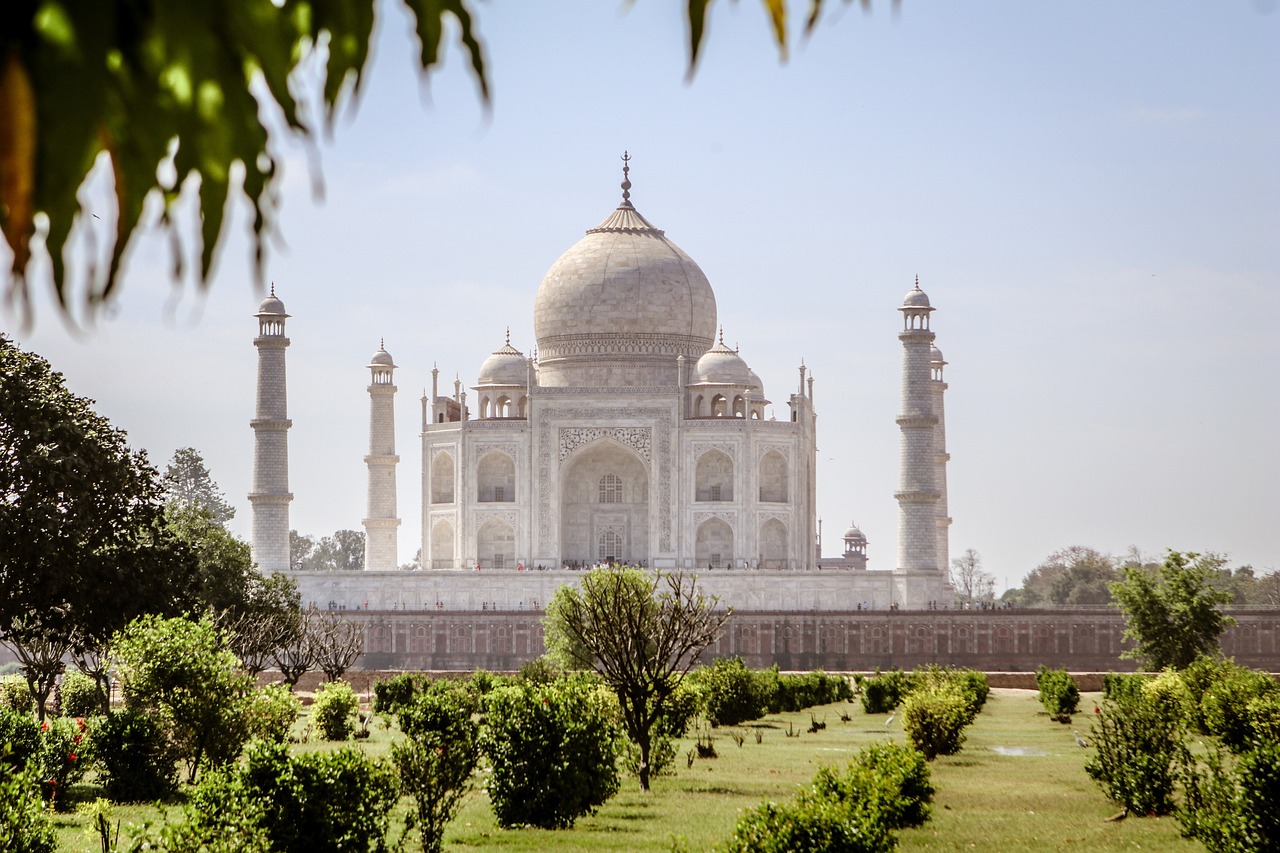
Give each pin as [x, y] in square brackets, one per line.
[187, 482]
[1172, 612]
[182, 671]
[267, 620]
[1075, 575]
[341, 552]
[170, 91]
[85, 544]
[224, 563]
[642, 632]
[971, 582]
[301, 548]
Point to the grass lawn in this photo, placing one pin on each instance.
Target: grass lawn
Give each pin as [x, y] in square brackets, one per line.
[1018, 784]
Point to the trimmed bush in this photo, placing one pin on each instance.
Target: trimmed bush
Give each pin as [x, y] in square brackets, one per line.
[271, 712]
[1264, 719]
[25, 826]
[64, 757]
[934, 719]
[809, 826]
[15, 695]
[1118, 685]
[553, 749]
[318, 802]
[80, 696]
[19, 737]
[731, 693]
[883, 692]
[436, 759]
[1137, 742]
[1058, 693]
[803, 690]
[390, 694]
[1230, 805]
[1224, 707]
[135, 759]
[223, 815]
[541, 670]
[890, 780]
[334, 710]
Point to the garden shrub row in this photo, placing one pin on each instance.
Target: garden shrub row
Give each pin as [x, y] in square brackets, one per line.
[1059, 693]
[731, 694]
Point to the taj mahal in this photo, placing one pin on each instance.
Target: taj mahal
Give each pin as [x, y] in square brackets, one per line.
[631, 434]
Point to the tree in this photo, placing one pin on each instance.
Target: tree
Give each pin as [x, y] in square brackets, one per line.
[301, 548]
[642, 632]
[1075, 575]
[172, 92]
[187, 482]
[85, 547]
[224, 563]
[337, 643]
[436, 759]
[267, 621]
[971, 582]
[1172, 611]
[341, 552]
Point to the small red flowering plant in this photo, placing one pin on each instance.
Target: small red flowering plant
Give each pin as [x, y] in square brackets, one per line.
[63, 758]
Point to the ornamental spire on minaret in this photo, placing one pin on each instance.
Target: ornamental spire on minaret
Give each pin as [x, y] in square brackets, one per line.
[270, 497]
[381, 548]
[917, 495]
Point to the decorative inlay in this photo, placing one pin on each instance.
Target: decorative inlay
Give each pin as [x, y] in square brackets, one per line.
[729, 518]
[481, 517]
[727, 448]
[638, 439]
[479, 450]
[763, 449]
[784, 517]
[436, 451]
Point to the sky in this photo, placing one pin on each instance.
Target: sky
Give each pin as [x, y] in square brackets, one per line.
[1089, 193]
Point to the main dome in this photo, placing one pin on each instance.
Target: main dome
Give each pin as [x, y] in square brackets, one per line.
[620, 306]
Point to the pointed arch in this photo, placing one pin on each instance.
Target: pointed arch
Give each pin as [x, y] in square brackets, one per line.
[496, 478]
[773, 478]
[443, 555]
[442, 478]
[773, 545]
[496, 545]
[714, 544]
[713, 477]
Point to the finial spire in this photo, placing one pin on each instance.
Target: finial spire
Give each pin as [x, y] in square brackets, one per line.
[917, 281]
[382, 343]
[626, 179]
[508, 336]
[722, 335]
[273, 288]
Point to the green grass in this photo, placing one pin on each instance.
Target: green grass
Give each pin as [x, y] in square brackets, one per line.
[984, 801]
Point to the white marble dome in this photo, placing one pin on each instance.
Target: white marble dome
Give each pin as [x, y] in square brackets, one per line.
[620, 306]
[505, 366]
[381, 358]
[723, 366]
[916, 298]
[271, 306]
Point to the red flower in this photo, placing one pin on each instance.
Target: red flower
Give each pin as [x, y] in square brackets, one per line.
[76, 738]
[44, 727]
[71, 757]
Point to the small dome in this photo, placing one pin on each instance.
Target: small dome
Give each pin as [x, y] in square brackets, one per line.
[935, 356]
[381, 358]
[271, 306]
[506, 366]
[756, 384]
[916, 298]
[723, 366]
[855, 534]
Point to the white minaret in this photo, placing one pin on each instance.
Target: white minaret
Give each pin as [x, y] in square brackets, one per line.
[936, 363]
[270, 496]
[381, 550]
[918, 491]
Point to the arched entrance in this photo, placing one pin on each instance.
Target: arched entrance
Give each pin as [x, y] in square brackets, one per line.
[604, 505]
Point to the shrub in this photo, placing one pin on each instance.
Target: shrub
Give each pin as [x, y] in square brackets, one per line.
[1224, 706]
[482, 681]
[1058, 693]
[883, 692]
[64, 756]
[540, 670]
[809, 826]
[1264, 719]
[389, 694]
[1137, 742]
[25, 827]
[271, 712]
[182, 670]
[885, 788]
[934, 720]
[80, 695]
[436, 759]
[136, 761]
[799, 691]
[971, 685]
[223, 815]
[19, 737]
[890, 780]
[1118, 685]
[15, 695]
[319, 802]
[1230, 805]
[332, 712]
[553, 749]
[731, 693]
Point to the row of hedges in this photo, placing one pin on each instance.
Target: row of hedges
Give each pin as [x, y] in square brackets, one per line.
[730, 694]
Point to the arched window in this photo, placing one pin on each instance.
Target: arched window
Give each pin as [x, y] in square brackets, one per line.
[610, 489]
[773, 478]
[496, 478]
[610, 547]
[442, 479]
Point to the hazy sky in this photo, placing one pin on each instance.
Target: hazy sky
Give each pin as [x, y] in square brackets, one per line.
[1089, 192]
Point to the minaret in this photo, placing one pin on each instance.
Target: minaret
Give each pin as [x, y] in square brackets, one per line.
[936, 363]
[918, 491]
[381, 549]
[270, 496]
